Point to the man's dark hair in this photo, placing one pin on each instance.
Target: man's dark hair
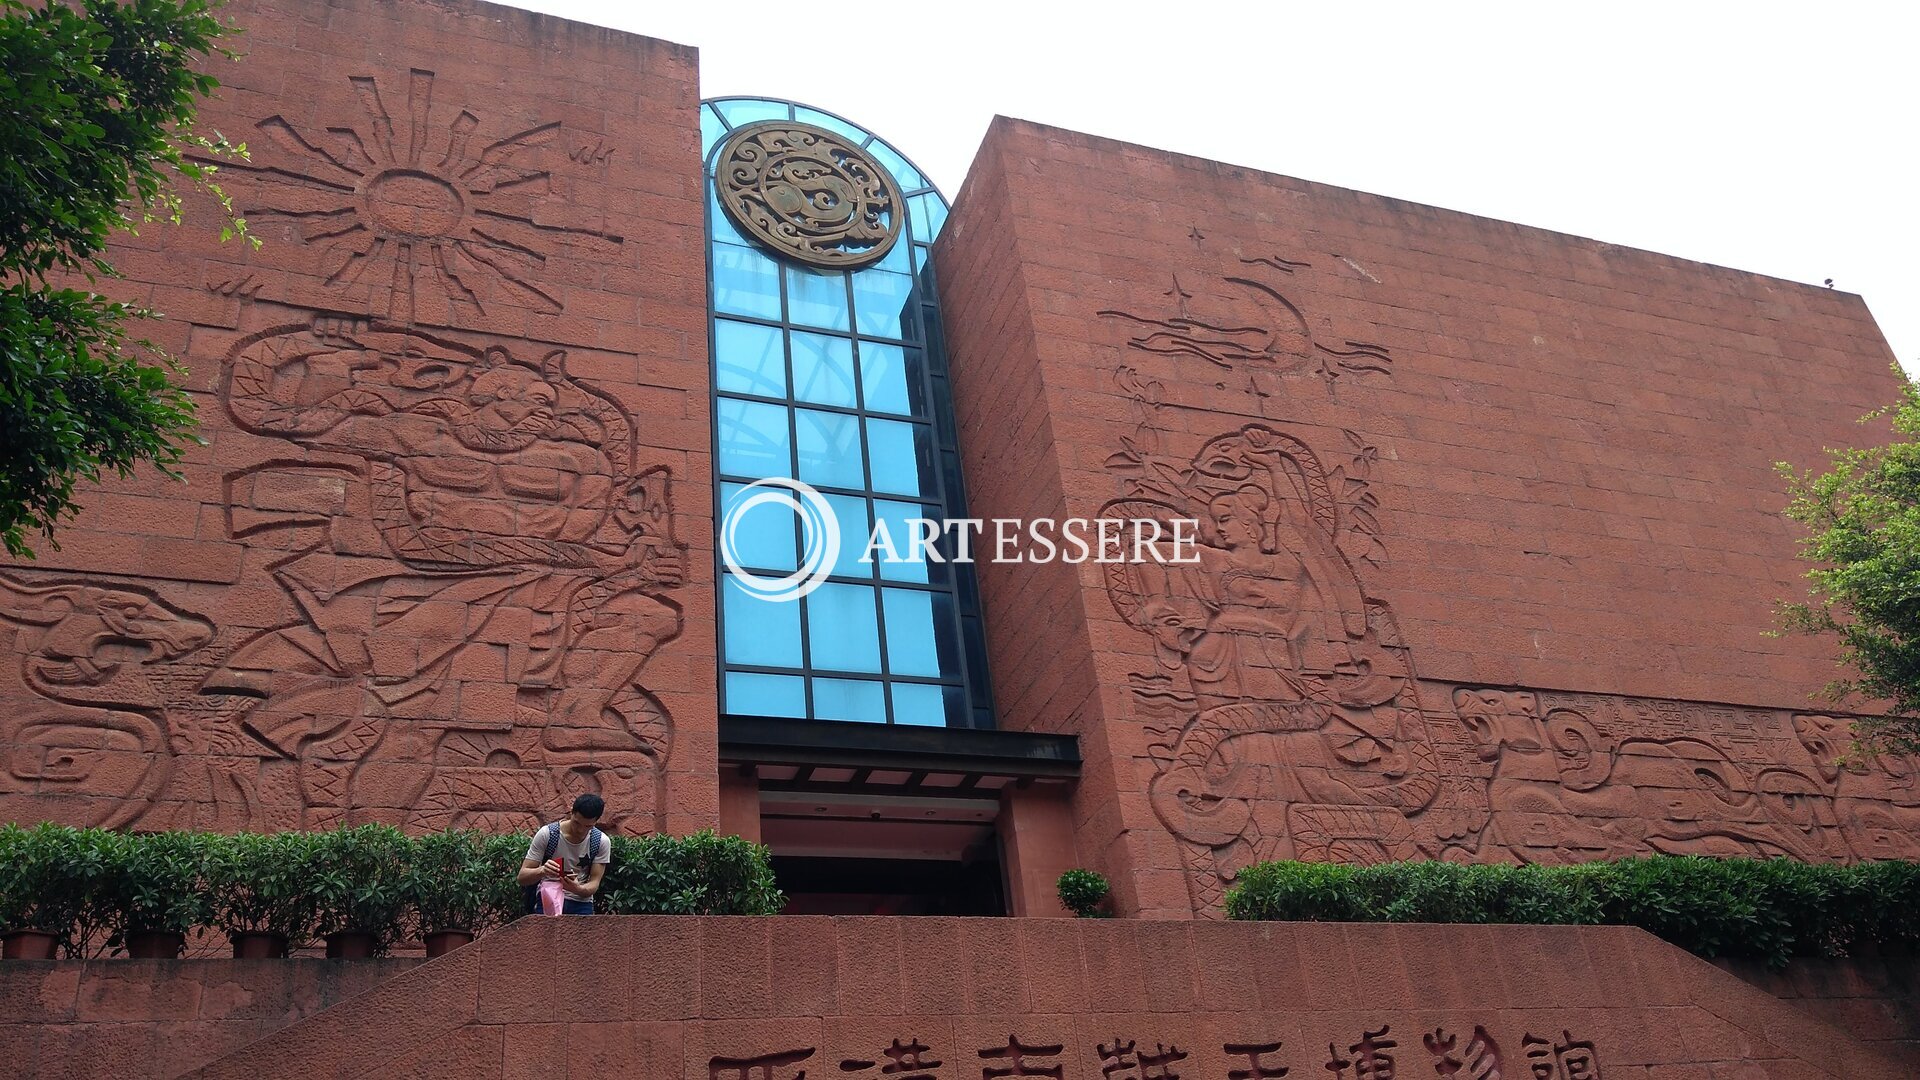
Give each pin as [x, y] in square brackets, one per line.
[589, 805]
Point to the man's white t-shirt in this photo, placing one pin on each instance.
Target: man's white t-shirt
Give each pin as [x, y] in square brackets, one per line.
[572, 856]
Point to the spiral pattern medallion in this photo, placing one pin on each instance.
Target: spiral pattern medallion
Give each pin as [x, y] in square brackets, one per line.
[808, 194]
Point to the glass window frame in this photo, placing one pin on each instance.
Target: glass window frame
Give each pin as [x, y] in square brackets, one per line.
[943, 487]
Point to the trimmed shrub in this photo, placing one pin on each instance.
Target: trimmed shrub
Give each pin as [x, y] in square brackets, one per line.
[54, 879]
[262, 883]
[360, 879]
[1770, 909]
[451, 883]
[700, 874]
[91, 887]
[1082, 892]
[159, 883]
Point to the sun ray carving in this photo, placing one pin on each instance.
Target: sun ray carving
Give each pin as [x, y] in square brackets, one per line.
[395, 198]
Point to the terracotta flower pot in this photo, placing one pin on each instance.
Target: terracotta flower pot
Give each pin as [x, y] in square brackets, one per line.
[29, 945]
[155, 944]
[256, 945]
[442, 942]
[350, 945]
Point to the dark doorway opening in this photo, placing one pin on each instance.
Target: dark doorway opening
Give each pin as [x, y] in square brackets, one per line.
[852, 852]
[817, 886]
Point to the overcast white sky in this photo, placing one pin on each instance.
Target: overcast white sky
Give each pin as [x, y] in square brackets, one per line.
[1777, 138]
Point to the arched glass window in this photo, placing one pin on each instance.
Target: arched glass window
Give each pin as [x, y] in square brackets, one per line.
[838, 378]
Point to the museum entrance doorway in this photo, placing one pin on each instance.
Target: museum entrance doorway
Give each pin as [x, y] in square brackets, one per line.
[860, 854]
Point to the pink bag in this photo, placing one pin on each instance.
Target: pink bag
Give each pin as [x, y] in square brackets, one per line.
[553, 898]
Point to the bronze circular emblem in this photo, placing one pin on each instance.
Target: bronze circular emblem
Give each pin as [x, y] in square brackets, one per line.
[809, 194]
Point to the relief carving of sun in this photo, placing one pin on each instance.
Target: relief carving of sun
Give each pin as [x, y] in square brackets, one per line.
[423, 219]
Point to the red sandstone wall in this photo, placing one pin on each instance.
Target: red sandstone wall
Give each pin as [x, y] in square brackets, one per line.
[956, 999]
[133, 1019]
[1874, 999]
[446, 558]
[1491, 531]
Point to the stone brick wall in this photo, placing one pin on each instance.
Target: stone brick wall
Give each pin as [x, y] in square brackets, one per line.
[776, 999]
[446, 556]
[1874, 999]
[133, 1019]
[1488, 525]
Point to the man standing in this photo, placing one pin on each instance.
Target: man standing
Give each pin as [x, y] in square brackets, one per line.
[574, 851]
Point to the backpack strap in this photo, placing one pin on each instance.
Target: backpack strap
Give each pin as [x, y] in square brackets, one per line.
[593, 846]
[553, 841]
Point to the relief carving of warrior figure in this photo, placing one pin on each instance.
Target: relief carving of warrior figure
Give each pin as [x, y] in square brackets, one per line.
[1299, 731]
[509, 518]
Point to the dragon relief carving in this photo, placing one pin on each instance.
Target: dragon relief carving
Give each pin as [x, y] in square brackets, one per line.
[1241, 321]
[1283, 713]
[91, 744]
[1285, 719]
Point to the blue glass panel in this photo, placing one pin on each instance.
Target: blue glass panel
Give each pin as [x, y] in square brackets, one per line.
[763, 633]
[929, 214]
[899, 517]
[897, 257]
[850, 511]
[880, 301]
[924, 704]
[817, 298]
[830, 449]
[753, 439]
[910, 649]
[749, 694]
[745, 282]
[902, 457]
[842, 630]
[823, 369]
[760, 538]
[746, 111]
[890, 159]
[723, 229]
[831, 123]
[747, 357]
[890, 379]
[850, 699]
[711, 129]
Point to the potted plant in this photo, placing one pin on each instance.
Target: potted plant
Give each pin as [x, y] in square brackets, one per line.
[51, 878]
[450, 889]
[1084, 893]
[261, 891]
[158, 893]
[359, 880]
[505, 899]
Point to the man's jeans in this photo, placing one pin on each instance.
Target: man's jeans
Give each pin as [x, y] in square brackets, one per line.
[576, 907]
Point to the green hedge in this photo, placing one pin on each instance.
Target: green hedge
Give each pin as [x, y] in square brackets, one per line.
[93, 886]
[1771, 909]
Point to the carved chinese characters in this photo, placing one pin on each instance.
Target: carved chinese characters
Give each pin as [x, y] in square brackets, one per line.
[1375, 1055]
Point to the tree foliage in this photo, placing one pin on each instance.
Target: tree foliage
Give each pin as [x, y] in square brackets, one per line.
[97, 105]
[1863, 520]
